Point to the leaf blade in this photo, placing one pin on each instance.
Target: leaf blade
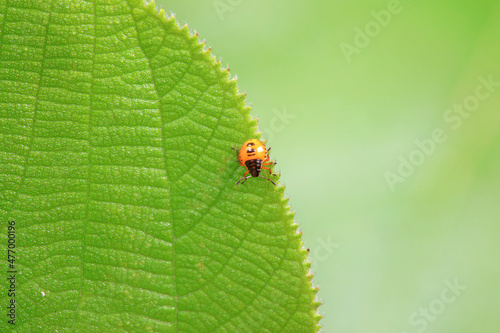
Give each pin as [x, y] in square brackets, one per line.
[122, 180]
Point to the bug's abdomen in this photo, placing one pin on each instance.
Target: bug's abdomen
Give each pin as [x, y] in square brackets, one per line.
[254, 167]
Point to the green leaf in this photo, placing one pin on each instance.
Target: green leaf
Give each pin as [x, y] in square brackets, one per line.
[116, 167]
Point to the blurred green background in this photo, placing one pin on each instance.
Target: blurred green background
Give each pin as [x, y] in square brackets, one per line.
[384, 117]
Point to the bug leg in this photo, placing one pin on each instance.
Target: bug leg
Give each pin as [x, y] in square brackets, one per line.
[238, 156]
[269, 163]
[237, 152]
[272, 174]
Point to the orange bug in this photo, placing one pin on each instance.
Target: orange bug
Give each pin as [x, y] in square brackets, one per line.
[254, 155]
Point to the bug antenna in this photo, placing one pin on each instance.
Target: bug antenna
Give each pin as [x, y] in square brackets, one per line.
[268, 179]
[244, 179]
